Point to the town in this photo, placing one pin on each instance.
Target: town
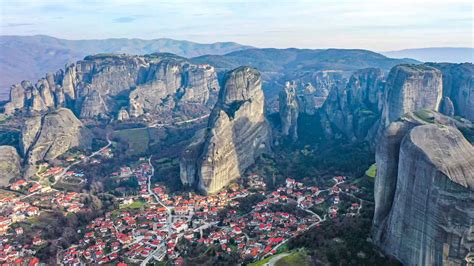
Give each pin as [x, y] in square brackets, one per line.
[152, 224]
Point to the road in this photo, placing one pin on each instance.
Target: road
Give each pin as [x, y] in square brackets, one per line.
[160, 251]
[179, 123]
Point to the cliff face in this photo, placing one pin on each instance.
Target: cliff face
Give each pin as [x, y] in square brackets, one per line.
[411, 88]
[458, 89]
[171, 84]
[101, 85]
[45, 137]
[351, 110]
[288, 104]
[237, 133]
[423, 190]
[313, 89]
[9, 164]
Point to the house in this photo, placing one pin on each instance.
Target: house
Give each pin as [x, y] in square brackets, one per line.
[290, 183]
[339, 179]
[19, 230]
[37, 241]
[18, 184]
[32, 211]
[34, 188]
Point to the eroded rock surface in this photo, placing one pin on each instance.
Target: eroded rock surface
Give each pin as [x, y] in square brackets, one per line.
[237, 134]
[424, 190]
[10, 164]
[458, 87]
[410, 88]
[45, 137]
[161, 85]
[351, 110]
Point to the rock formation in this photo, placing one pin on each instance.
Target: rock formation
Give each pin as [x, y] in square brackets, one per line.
[410, 88]
[424, 206]
[171, 83]
[45, 137]
[237, 133]
[313, 89]
[10, 166]
[289, 110]
[123, 115]
[351, 110]
[458, 89]
[101, 85]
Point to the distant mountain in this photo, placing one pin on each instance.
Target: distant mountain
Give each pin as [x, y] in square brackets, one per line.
[439, 55]
[30, 57]
[293, 61]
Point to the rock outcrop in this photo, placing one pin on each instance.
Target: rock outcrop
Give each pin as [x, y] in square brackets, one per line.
[123, 115]
[351, 110]
[313, 89]
[289, 110]
[45, 137]
[237, 134]
[100, 86]
[410, 88]
[171, 83]
[458, 89]
[424, 204]
[10, 164]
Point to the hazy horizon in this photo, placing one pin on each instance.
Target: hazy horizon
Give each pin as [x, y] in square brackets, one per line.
[367, 24]
[224, 41]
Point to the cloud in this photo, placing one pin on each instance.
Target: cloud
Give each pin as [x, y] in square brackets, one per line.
[19, 24]
[125, 19]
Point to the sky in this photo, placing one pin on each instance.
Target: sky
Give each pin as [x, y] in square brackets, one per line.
[378, 25]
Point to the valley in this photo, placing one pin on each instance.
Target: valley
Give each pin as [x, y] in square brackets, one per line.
[161, 159]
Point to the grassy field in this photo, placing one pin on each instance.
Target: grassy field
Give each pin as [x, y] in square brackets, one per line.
[371, 172]
[134, 205]
[296, 258]
[261, 262]
[136, 138]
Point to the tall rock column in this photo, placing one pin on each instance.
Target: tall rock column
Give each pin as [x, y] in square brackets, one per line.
[237, 134]
[424, 204]
[288, 104]
[411, 88]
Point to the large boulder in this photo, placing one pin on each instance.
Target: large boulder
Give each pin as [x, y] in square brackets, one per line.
[237, 134]
[10, 164]
[424, 206]
[45, 137]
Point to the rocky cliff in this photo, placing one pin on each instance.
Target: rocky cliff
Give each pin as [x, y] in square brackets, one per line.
[289, 110]
[237, 133]
[102, 85]
[352, 109]
[424, 206]
[10, 166]
[45, 137]
[458, 89]
[411, 88]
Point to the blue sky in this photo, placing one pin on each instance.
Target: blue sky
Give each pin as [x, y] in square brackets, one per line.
[379, 25]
